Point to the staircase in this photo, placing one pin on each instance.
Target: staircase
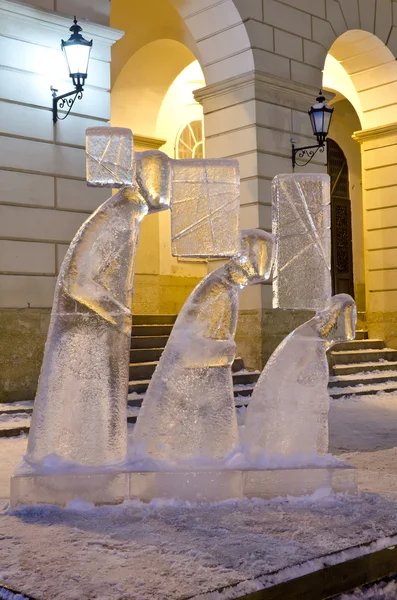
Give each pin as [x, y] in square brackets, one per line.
[149, 336]
[148, 339]
[361, 367]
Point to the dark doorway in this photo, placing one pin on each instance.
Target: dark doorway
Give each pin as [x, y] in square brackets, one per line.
[341, 224]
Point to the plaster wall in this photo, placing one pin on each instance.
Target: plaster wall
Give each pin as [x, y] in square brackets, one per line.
[43, 195]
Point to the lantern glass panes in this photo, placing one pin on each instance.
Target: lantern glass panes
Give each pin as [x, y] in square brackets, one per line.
[320, 116]
[77, 52]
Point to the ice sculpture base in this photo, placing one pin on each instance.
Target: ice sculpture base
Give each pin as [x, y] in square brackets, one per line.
[61, 488]
[193, 486]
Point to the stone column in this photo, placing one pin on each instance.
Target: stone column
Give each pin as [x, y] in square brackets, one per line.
[379, 158]
[253, 117]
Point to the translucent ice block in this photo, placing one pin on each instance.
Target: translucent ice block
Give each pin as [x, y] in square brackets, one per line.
[205, 208]
[110, 156]
[301, 224]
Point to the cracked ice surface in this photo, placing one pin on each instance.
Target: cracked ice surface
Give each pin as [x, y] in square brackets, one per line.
[205, 208]
[301, 223]
[110, 155]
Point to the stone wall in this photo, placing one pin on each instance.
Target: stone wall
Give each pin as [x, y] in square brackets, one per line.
[43, 195]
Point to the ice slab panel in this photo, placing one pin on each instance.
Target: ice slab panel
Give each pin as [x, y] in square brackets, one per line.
[61, 488]
[301, 224]
[205, 208]
[109, 157]
[193, 486]
[272, 483]
[211, 485]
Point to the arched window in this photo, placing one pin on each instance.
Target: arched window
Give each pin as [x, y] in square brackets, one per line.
[190, 141]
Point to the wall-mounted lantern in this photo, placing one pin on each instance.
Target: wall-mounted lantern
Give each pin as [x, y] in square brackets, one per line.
[320, 117]
[77, 53]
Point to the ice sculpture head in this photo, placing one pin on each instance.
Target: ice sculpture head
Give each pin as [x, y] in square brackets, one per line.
[254, 262]
[153, 178]
[337, 322]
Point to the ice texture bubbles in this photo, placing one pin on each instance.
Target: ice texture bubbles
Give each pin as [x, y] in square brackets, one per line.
[79, 413]
[301, 225]
[188, 411]
[288, 412]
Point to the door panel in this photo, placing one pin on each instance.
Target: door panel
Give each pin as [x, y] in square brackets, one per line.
[341, 229]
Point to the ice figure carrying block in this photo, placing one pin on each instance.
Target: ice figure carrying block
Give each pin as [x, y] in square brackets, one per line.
[188, 411]
[301, 225]
[79, 413]
[287, 415]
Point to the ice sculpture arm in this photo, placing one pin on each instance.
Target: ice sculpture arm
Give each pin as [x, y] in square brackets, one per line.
[98, 299]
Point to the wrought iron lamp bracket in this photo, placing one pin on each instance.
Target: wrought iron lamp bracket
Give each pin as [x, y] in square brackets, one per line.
[64, 100]
[303, 152]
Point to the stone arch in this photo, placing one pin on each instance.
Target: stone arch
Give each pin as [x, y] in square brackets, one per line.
[291, 38]
[213, 31]
[372, 70]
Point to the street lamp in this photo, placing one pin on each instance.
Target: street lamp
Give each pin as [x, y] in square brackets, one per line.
[77, 53]
[320, 117]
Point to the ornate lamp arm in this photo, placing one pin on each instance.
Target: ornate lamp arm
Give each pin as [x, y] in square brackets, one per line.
[305, 151]
[64, 99]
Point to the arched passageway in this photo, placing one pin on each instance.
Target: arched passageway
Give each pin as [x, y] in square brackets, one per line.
[361, 69]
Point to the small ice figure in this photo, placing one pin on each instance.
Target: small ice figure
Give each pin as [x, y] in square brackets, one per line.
[287, 415]
[80, 413]
[188, 411]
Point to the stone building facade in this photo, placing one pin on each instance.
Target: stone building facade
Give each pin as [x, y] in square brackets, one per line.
[249, 69]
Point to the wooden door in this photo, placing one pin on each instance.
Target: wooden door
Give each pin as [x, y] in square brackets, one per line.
[341, 229]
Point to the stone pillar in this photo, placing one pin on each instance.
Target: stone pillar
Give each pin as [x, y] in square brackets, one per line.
[253, 117]
[379, 158]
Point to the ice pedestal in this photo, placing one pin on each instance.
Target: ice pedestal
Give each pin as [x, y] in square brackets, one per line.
[200, 485]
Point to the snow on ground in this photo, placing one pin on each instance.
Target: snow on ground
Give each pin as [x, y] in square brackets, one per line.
[167, 550]
[386, 590]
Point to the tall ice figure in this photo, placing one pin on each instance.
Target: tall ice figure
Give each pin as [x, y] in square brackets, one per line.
[79, 413]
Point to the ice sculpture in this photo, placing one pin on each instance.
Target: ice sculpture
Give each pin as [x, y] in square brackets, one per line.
[188, 411]
[301, 225]
[207, 191]
[287, 415]
[80, 408]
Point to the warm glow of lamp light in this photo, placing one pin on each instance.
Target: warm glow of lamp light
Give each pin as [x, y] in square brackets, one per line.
[77, 52]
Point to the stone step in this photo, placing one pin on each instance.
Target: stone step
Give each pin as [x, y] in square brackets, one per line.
[145, 362]
[14, 431]
[363, 367]
[343, 381]
[362, 390]
[20, 417]
[238, 364]
[361, 334]
[142, 370]
[150, 330]
[241, 379]
[356, 356]
[242, 392]
[153, 319]
[245, 377]
[138, 386]
[133, 409]
[145, 355]
[149, 341]
[367, 344]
